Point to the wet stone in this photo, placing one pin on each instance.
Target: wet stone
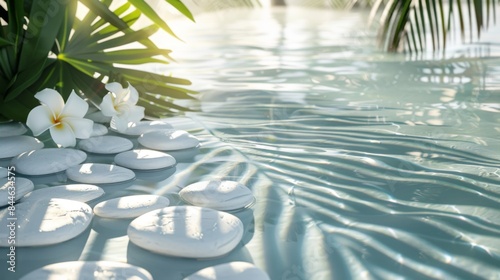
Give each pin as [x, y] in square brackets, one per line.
[18, 188]
[96, 115]
[130, 206]
[47, 161]
[78, 192]
[98, 130]
[4, 172]
[144, 159]
[89, 270]
[46, 222]
[186, 231]
[105, 145]
[136, 129]
[168, 140]
[12, 146]
[219, 195]
[99, 173]
[12, 128]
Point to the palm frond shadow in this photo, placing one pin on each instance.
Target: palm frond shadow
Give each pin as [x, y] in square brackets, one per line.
[365, 206]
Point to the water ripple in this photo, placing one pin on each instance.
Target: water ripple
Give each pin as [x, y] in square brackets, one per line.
[364, 165]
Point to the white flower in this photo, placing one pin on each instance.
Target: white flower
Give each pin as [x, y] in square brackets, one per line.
[120, 105]
[65, 122]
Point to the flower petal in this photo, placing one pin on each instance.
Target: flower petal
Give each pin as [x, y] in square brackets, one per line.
[123, 109]
[52, 99]
[119, 123]
[63, 135]
[40, 119]
[75, 106]
[82, 128]
[136, 114]
[114, 87]
[133, 95]
[107, 106]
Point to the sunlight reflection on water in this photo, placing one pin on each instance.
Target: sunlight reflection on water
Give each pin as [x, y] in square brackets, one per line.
[364, 164]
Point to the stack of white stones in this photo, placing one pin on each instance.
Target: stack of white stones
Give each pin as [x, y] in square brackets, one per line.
[53, 214]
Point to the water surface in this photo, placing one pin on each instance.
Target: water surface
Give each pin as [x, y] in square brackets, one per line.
[364, 165]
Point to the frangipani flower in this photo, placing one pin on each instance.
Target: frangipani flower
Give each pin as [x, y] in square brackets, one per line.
[120, 105]
[65, 122]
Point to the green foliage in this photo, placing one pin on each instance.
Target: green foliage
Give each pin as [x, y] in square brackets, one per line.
[416, 25]
[44, 45]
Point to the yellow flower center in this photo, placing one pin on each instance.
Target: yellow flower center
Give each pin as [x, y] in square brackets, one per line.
[58, 123]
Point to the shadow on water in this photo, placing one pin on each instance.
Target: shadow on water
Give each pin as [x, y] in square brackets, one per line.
[363, 165]
[165, 267]
[378, 202]
[31, 258]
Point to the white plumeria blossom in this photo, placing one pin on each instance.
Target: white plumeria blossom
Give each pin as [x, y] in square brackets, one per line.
[65, 121]
[120, 104]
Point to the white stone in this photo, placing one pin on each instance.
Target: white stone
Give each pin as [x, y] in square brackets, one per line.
[3, 172]
[96, 115]
[46, 222]
[230, 271]
[99, 173]
[130, 206]
[136, 129]
[144, 159]
[105, 145]
[219, 195]
[80, 270]
[47, 161]
[98, 130]
[17, 187]
[168, 140]
[78, 192]
[15, 145]
[186, 231]
[12, 128]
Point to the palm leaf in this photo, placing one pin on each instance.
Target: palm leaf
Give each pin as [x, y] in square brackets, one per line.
[404, 24]
[87, 52]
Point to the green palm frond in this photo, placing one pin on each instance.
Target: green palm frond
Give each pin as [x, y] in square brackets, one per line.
[416, 25]
[201, 6]
[349, 4]
[55, 49]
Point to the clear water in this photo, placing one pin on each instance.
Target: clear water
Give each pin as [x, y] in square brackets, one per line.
[364, 165]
